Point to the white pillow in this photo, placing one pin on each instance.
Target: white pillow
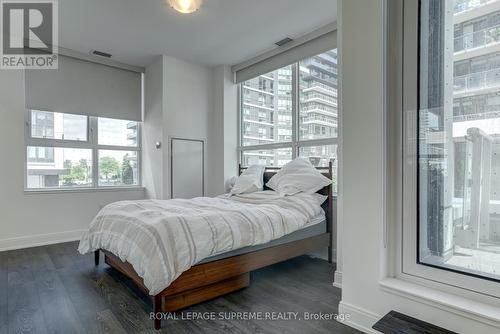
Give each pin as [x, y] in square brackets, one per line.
[299, 175]
[251, 180]
[229, 184]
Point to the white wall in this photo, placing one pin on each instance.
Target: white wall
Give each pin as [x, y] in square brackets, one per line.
[153, 132]
[223, 135]
[192, 101]
[361, 192]
[30, 219]
[188, 104]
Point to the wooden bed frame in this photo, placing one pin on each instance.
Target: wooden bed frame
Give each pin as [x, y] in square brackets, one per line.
[212, 279]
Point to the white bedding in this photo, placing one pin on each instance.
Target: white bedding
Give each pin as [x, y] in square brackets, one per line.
[163, 238]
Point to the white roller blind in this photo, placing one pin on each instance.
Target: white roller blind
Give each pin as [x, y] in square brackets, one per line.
[85, 88]
[323, 43]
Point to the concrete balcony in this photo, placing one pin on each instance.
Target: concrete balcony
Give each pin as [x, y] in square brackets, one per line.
[316, 110]
[320, 99]
[321, 88]
[258, 106]
[249, 137]
[259, 121]
[258, 90]
[313, 62]
[315, 121]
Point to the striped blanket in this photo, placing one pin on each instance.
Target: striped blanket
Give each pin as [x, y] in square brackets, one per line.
[163, 238]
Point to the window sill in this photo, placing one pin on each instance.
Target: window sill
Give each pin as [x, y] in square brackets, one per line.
[471, 309]
[82, 190]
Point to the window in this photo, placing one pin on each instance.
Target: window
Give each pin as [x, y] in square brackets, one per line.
[291, 112]
[51, 125]
[320, 156]
[114, 132]
[451, 227]
[268, 157]
[117, 168]
[62, 151]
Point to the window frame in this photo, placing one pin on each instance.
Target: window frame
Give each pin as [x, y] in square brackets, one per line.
[407, 262]
[92, 143]
[296, 143]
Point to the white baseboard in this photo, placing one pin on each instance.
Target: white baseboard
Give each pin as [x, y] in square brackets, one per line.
[359, 318]
[39, 240]
[337, 279]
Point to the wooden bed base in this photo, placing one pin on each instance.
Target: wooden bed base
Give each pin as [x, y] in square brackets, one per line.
[212, 279]
[206, 281]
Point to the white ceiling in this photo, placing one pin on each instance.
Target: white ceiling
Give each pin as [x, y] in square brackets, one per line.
[221, 32]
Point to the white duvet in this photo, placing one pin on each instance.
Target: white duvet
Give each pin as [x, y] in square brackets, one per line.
[163, 238]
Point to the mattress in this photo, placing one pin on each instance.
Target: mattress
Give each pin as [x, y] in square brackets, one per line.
[316, 226]
[163, 238]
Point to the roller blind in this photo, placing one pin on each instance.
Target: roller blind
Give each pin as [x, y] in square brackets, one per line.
[85, 88]
[323, 43]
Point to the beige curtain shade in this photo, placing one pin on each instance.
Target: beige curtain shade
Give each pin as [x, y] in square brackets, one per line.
[320, 44]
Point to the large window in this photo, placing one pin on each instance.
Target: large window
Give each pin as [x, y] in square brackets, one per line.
[291, 112]
[66, 151]
[451, 232]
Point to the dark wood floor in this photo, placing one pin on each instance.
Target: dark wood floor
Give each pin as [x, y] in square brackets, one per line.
[53, 289]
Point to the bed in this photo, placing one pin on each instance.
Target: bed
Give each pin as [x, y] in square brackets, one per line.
[206, 277]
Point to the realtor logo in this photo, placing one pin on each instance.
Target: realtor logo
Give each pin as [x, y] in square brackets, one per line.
[28, 34]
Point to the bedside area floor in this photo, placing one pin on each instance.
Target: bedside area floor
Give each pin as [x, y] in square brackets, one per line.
[53, 289]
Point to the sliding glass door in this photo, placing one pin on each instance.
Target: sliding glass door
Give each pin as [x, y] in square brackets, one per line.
[452, 143]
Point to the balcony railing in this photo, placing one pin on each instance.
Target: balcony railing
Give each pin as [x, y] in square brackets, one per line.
[314, 96]
[327, 57]
[319, 64]
[477, 39]
[462, 6]
[475, 81]
[318, 109]
[319, 85]
[260, 120]
[256, 86]
[258, 104]
[324, 120]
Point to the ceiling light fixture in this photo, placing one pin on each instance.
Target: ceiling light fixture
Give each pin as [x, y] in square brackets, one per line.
[185, 6]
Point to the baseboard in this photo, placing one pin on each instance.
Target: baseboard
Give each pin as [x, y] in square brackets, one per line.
[337, 279]
[39, 240]
[359, 318]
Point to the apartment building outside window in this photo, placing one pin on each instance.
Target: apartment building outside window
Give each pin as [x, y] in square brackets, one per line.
[291, 112]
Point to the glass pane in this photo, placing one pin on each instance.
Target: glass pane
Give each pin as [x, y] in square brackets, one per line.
[276, 157]
[56, 167]
[459, 140]
[118, 168]
[318, 96]
[115, 132]
[267, 108]
[320, 156]
[50, 125]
